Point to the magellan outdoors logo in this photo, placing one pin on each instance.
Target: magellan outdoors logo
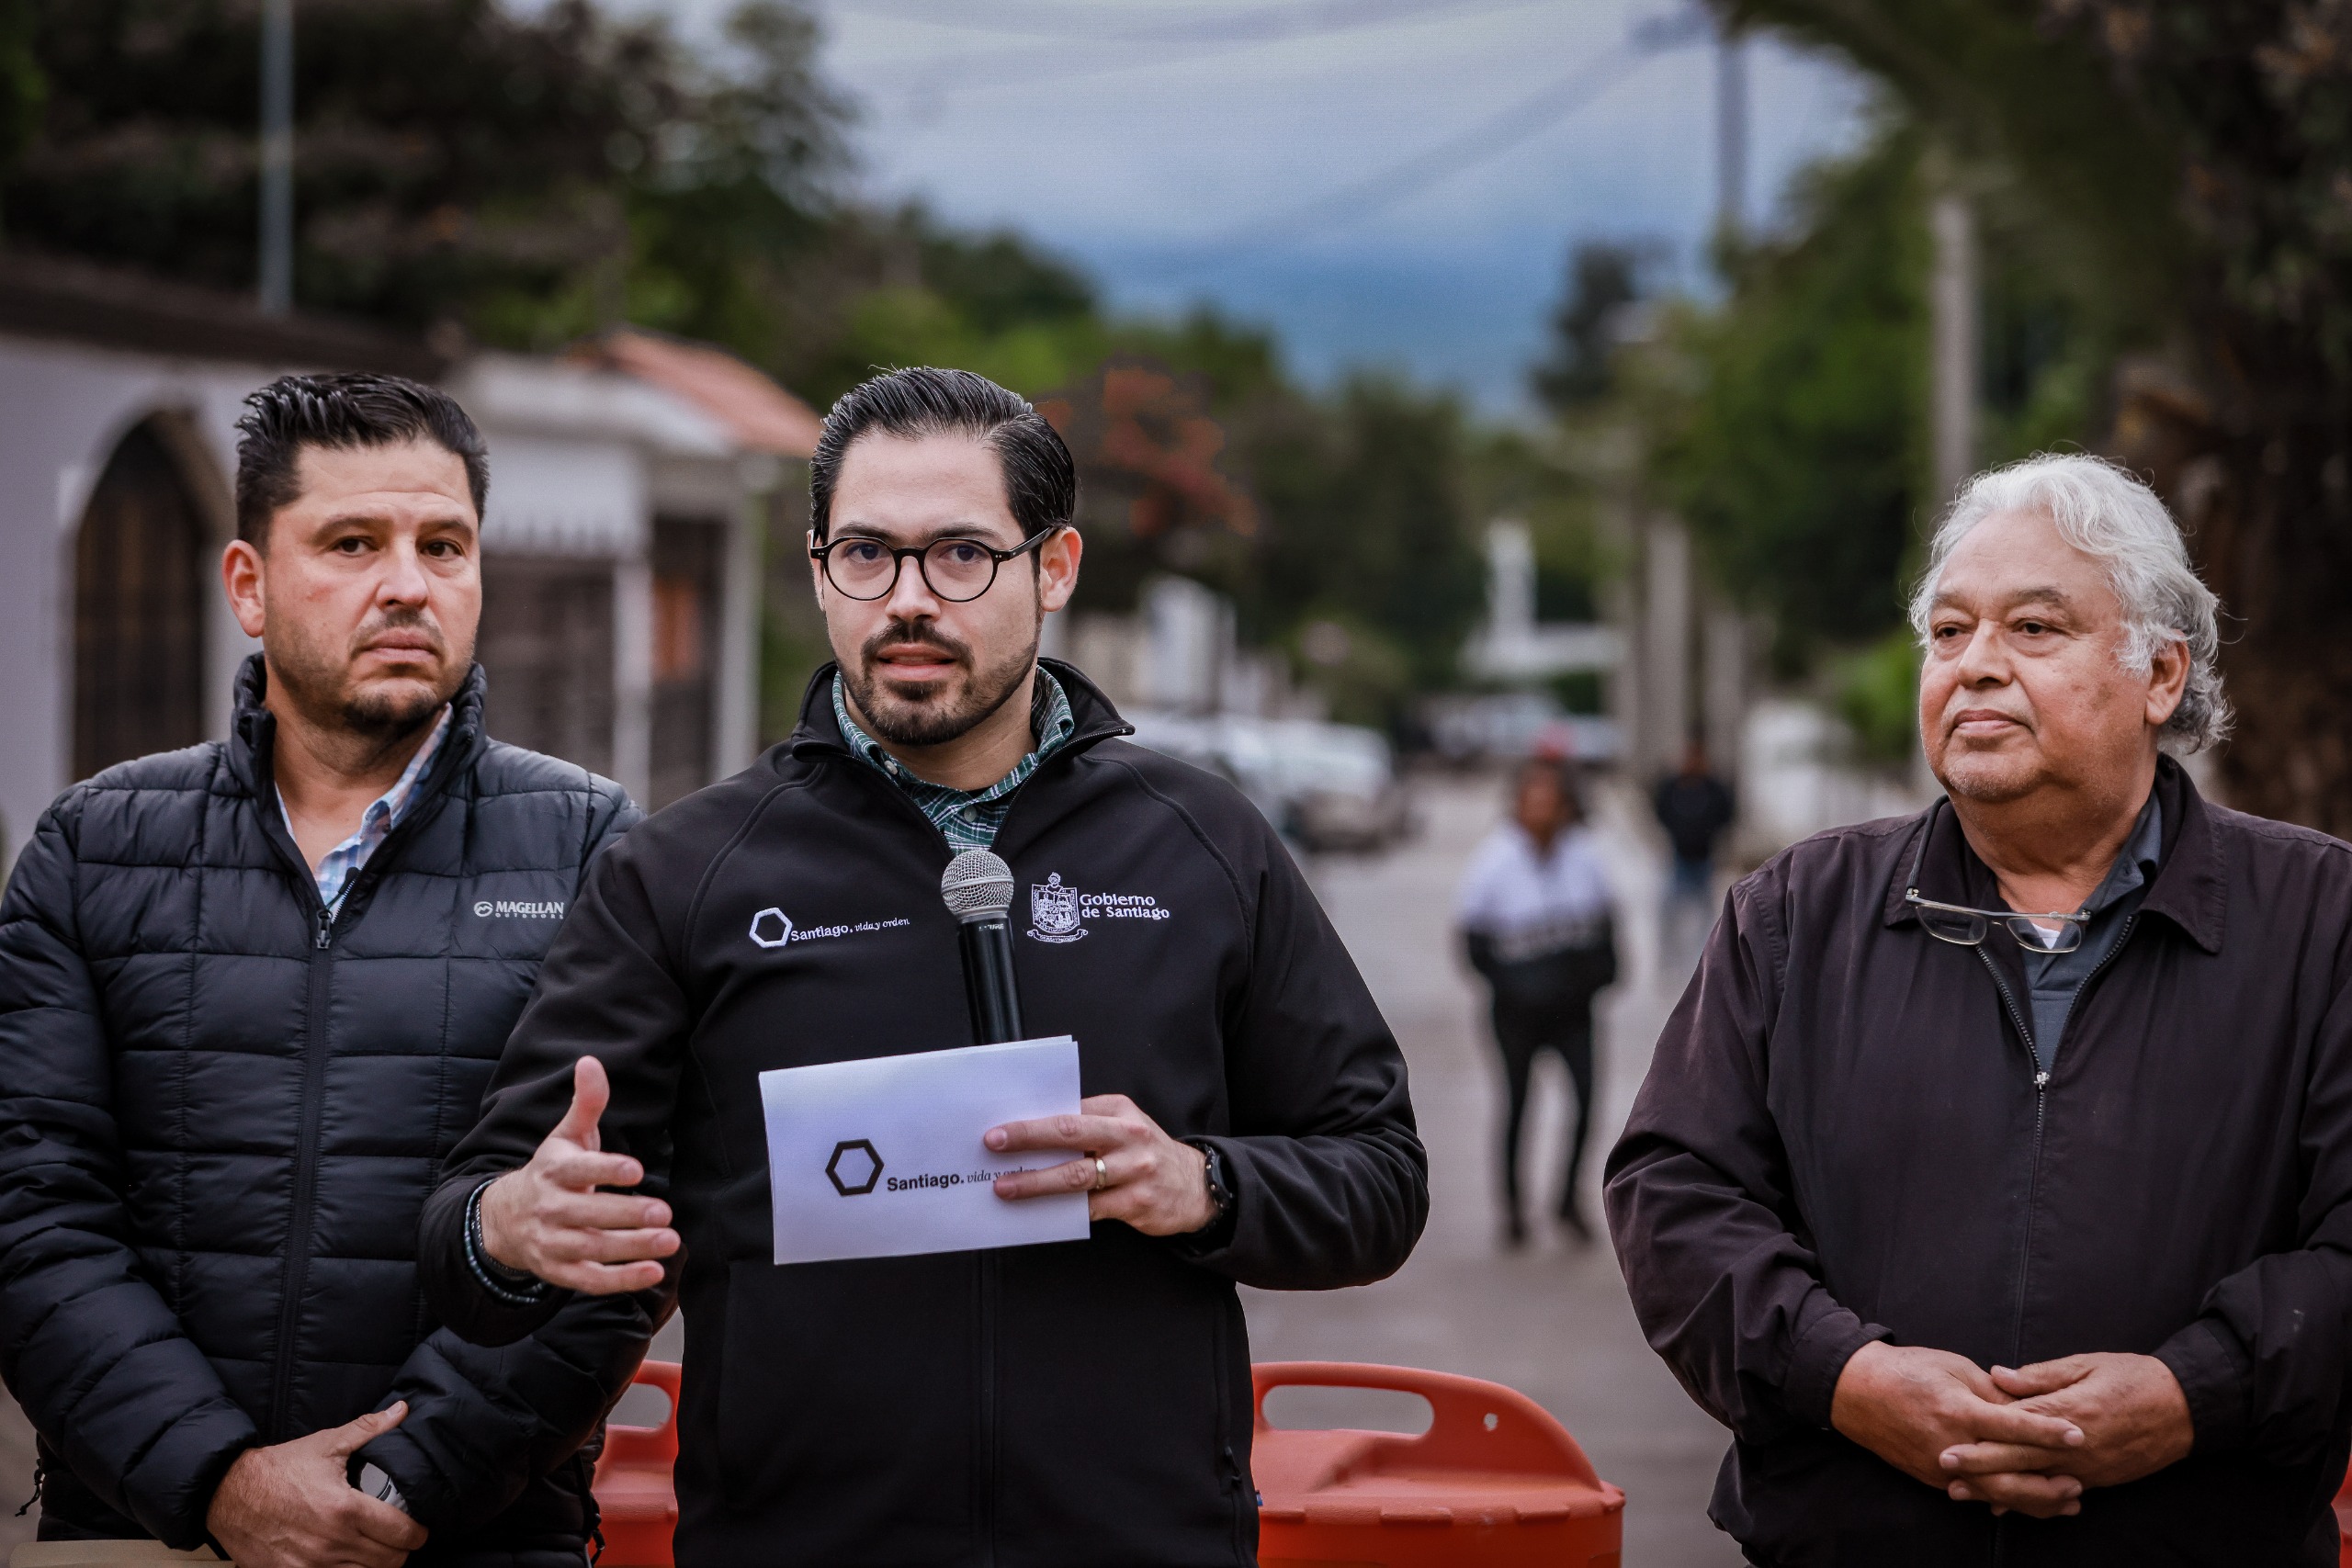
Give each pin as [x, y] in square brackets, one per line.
[492, 908]
[852, 1156]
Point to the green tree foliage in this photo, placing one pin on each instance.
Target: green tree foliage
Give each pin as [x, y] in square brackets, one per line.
[1343, 515]
[1526, 476]
[2199, 154]
[1788, 422]
[533, 176]
[1796, 455]
[453, 160]
[1603, 283]
[1366, 521]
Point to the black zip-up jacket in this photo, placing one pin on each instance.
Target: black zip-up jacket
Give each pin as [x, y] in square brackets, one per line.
[1844, 1138]
[1082, 1403]
[221, 1115]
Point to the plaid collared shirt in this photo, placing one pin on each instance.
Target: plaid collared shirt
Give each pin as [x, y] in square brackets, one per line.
[383, 814]
[968, 818]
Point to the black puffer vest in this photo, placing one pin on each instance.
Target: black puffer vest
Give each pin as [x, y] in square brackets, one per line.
[221, 1110]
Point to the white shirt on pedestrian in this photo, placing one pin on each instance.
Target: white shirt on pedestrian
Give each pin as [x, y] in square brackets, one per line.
[1532, 903]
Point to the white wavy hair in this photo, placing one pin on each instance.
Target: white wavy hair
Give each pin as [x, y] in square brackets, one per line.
[2107, 512]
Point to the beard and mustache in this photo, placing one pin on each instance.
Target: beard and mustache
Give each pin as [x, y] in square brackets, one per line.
[318, 682]
[946, 713]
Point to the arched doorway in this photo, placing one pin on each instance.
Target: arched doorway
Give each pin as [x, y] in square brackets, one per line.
[139, 596]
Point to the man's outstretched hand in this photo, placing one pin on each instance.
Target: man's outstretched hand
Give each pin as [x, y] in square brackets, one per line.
[548, 1218]
[2133, 1417]
[293, 1506]
[1912, 1406]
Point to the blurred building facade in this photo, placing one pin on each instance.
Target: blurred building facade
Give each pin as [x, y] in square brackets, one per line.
[1511, 644]
[630, 482]
[1178, 653]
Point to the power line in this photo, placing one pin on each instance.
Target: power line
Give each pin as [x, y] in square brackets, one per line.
[1537, 112]
[1022, 67]
[1265, 24]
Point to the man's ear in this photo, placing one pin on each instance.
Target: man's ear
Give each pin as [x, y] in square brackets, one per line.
[2167, 681]
[243, 573]
[1058, 560]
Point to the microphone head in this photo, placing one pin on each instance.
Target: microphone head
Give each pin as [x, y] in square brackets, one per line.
[978, 886]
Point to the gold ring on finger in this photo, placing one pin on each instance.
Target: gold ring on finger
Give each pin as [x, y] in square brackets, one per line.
[1101, 1174]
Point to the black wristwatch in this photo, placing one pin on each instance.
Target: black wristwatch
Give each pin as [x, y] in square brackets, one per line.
[1213, 1170]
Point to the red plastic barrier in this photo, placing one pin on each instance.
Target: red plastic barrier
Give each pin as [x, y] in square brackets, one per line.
[2344, 1522]
[1494, 1482]
[633, 1483]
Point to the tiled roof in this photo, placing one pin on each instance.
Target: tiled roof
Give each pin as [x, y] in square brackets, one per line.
[762, 416]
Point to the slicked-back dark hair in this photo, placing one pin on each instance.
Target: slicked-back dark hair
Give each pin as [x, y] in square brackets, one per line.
[341, 412]
[1040, 479]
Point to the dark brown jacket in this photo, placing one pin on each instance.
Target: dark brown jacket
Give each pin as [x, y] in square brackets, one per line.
[1842, 1139]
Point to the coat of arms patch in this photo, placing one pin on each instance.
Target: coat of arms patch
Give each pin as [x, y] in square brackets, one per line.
[1053, 910]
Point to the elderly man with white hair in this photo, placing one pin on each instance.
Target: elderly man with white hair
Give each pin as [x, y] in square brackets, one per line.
[1992, 1180]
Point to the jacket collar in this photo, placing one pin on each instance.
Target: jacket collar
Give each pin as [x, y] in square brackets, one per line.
[253, 734]
[819, 732]
[2189, 890]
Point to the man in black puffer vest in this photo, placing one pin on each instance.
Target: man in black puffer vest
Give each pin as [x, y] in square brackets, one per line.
[250, 995]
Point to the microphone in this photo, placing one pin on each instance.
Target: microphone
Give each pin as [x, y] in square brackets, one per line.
[977, 887]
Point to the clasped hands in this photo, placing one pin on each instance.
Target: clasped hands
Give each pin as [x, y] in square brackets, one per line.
[551, 1219]
[2030, 1438]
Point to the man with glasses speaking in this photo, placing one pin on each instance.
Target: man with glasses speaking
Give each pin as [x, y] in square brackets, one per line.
[1993, 1181]
[1080, 1401]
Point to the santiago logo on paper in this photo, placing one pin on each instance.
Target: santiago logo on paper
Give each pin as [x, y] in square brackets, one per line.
[855, 1167]
[856, 1170]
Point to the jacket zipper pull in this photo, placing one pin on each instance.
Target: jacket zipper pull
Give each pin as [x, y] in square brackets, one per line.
[325, 939]
[2040, 1080]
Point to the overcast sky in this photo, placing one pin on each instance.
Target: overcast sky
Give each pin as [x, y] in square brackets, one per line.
[1386, 182]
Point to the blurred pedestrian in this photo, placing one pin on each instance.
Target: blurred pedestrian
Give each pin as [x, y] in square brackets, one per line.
[1536, 919]
[250, 993]
[1694, 806]
[1997, 1163]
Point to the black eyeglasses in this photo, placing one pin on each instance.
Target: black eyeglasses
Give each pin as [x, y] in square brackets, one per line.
[1964, 927]
[956, 570]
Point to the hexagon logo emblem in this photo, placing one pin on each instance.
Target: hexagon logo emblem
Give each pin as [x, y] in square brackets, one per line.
[850, 1156]
[771, 928]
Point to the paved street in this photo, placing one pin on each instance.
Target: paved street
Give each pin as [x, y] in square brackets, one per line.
[1551, 1321]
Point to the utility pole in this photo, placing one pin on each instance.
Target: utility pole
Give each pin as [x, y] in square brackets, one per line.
[1952, 371]
[1952, 305]
[276, 156]
[1718, 670]
[1731, 134]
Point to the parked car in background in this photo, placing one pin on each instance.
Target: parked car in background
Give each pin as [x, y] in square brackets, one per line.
[1324, 786]
[1340, 784]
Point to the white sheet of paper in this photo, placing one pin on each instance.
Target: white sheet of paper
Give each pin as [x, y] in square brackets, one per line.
[882, 1158]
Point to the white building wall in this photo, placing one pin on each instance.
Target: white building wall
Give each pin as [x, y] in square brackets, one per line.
[62, 409]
